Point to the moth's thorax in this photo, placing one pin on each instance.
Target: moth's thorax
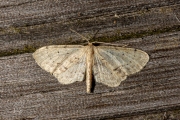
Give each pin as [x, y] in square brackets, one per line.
[90, 49]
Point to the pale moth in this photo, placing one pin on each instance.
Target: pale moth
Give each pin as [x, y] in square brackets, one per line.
[109, 65]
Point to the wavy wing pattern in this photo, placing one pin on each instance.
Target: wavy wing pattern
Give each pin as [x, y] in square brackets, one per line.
[113, 64]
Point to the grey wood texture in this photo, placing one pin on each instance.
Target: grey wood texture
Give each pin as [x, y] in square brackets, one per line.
[28, 92]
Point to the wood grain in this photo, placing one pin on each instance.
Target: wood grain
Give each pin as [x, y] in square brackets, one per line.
[28, 92]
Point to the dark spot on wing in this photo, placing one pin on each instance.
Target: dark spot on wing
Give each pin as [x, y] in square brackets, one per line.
[135, 50]
[119, 71]
[76, 58]
[128, 69]
[115, 68]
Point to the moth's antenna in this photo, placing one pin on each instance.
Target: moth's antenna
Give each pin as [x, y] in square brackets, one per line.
[95, 34]
[177, 18]
[80, 35]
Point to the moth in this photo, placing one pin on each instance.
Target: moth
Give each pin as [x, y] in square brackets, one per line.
[107, 64]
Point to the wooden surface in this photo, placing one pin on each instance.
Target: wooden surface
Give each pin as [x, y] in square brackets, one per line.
[28, 92]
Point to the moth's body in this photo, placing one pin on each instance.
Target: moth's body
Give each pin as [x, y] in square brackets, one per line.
[89, 67]
[109, 65]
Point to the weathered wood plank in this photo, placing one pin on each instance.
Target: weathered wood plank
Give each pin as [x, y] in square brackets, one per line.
[28, 92]
[37, 23]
